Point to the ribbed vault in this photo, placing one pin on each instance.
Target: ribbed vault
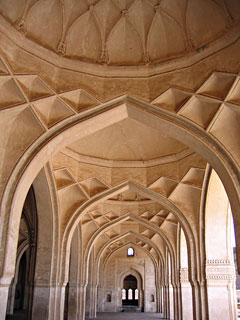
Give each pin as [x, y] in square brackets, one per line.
[121, 118]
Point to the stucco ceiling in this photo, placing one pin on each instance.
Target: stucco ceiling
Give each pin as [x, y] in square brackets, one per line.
[116, 32]
[127, 140]
[40, 100]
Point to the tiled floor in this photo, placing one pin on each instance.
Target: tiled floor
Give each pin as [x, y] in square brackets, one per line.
[127, 316]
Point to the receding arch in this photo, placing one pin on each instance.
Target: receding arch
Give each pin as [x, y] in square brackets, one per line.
[141, 190]
[61, 135]
[146, 251]
[52, 141]
[124, 235]
[113, 223]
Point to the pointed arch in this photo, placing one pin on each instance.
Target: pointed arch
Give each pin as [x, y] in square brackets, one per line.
[91, 121]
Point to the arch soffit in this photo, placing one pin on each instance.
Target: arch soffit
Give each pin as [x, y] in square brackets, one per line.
[118, 109]
[75, 219]
[121, 236]
[43, 179]
[110, 225]
[128, 185]
[143, 239]
[134, 245]
[123, 218]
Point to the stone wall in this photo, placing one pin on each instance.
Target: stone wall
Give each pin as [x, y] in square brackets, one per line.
[118, 267]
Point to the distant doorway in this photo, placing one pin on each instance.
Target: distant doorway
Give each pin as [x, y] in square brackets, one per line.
[130, 294]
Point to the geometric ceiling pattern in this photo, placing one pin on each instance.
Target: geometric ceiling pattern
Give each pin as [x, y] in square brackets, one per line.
[128, 32]
[129, 213]
[29, 95]
[117, 170]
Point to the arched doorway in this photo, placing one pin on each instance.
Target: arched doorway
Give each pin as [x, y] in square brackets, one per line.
[20, 298]
[130, 294]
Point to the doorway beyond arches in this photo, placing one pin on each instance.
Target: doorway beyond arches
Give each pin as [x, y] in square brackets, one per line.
[130, 291]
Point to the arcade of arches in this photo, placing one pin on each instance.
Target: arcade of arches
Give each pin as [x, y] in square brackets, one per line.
[120, 126]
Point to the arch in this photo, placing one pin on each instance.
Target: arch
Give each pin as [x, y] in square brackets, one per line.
[191, 241]
[146, 251]
[218, 250]
[21, 249]
[62, 134]
[158, 273]
[135, 273]
[194, 271]
[115, 222]
[126, 234]
[132, 272]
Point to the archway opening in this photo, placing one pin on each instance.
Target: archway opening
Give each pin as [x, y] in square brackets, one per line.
[20, 297]
[130, 293]
[21, 284]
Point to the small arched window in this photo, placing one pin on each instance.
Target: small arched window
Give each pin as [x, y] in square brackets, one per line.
[124, 296]
[130, 252]
[130, 294]
[136, 294]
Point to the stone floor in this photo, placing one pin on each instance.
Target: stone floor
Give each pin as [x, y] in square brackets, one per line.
[107, 316]
[127, 316]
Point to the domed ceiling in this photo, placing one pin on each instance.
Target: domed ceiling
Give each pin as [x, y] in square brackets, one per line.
[122, 32]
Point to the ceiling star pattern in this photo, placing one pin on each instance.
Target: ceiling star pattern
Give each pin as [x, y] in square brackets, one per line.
[129, 210]
[121, 119]
[30, 97]
[122, 32]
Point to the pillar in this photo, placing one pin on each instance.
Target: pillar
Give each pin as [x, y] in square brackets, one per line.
[220, 270]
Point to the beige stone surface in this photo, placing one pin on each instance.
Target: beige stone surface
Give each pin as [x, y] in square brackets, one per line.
[123, 116]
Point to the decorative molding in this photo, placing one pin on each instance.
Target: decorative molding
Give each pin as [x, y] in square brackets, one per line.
[101, 69]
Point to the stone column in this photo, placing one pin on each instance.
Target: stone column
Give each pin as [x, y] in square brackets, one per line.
[171, 301]
[100, 299]
[82, 299]
[73, 303]
[41, 296]
[11, 296]
[220, 276]
[220, 270]
[93, 301]
[140, 298]
[158, 299]
[57, 302]
[166, 308]
[4, 289]
[186, 293]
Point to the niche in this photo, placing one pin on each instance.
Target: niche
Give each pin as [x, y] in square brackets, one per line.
[152, 298]
[109, 297]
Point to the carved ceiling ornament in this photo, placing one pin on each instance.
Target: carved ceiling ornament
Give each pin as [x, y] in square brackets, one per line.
[122, 33]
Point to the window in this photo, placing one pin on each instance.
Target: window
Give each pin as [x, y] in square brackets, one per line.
[130, 294]
[123, 294]
[130, 252]
[136, 294]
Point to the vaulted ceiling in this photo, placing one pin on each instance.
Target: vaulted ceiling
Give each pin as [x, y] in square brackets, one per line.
[150, 60]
